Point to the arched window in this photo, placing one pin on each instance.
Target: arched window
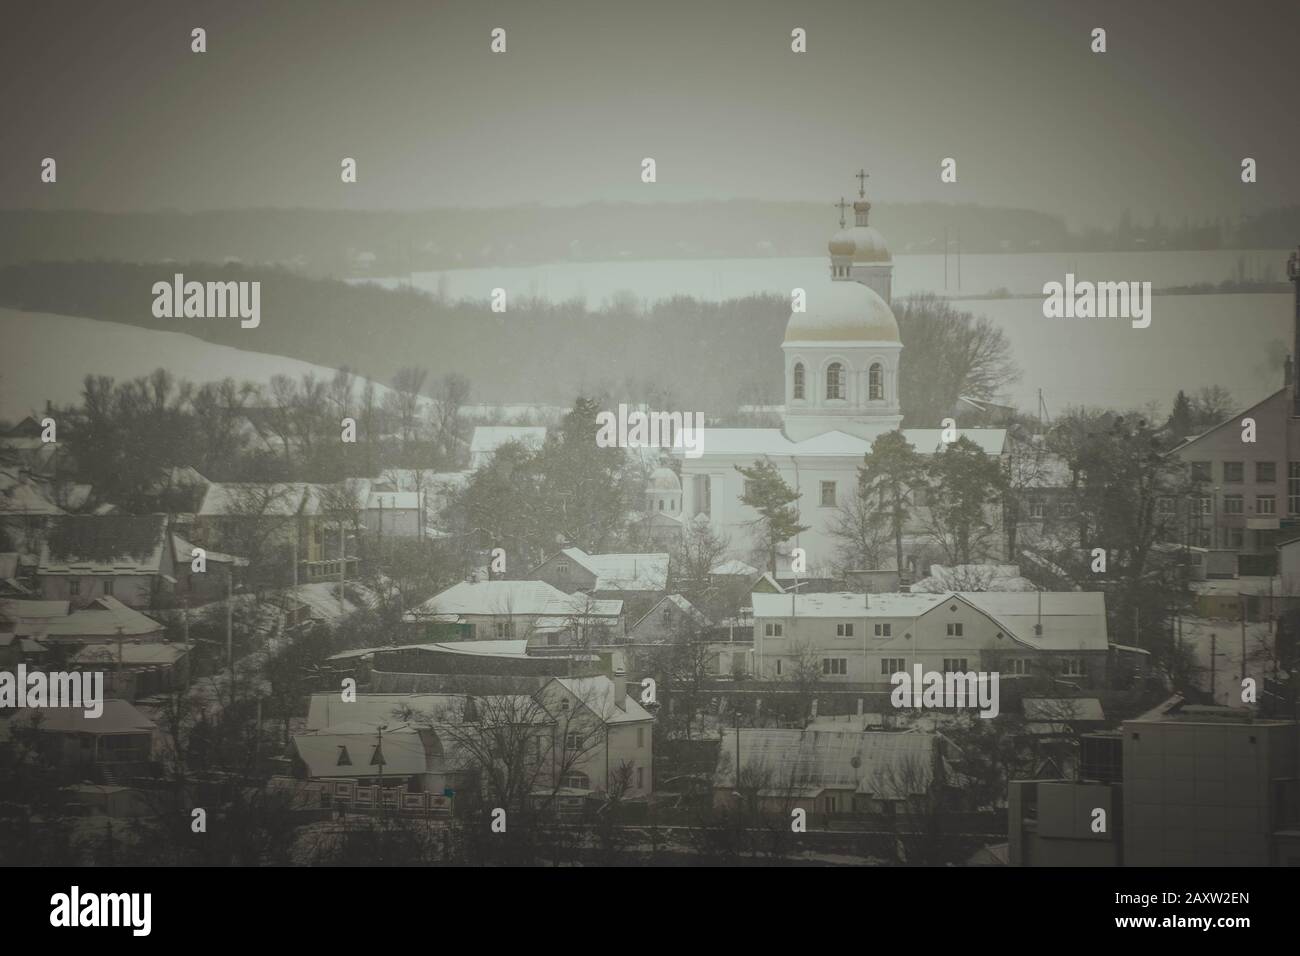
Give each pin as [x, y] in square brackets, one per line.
[875, 382]
[834, 381]
[798, 380]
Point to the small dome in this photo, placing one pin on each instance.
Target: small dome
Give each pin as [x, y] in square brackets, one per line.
[664, 479]
[868, 244]
[841, 311]
[841, 244]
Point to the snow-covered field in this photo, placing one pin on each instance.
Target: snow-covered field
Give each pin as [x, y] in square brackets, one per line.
[45, 356]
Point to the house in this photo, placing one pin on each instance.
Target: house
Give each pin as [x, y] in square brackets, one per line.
[301, 517]
[530, 610]
[609, 734]
[637, 579]
[106, 749]
[135, 669]
[488, 438]
[18, 649]
[864, 639]
[104, 620]
[830, 771]
[128, 557]
[671, 618]
[388, 738]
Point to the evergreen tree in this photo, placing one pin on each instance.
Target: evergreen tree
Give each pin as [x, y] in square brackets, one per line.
[768, 494]
[886, 478]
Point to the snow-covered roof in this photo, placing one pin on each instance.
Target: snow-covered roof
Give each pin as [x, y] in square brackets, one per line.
[842, 311]
[102, 617]
[118, 717]
[624, 572]
[600, 695]
[133, 654]
[472, 648]
[328, 711]
[1072, 620]
[512, 598]
[105, 544]
[736, 568]
[354, 755]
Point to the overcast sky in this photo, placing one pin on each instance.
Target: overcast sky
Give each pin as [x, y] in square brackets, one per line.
[709, 88]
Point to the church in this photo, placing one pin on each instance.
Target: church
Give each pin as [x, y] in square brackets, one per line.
[841, 359]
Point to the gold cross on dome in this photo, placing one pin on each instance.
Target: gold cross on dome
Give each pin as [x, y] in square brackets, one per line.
[841, 206]
[861, 176]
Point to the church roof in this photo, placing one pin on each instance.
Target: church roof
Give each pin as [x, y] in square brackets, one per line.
[863, 243]
[842, 311]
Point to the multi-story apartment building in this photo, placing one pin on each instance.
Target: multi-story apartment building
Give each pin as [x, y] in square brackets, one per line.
[864, 639]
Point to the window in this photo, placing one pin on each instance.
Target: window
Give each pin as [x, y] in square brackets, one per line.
[773, 630]
[889, 666]
[1205, 505]
[1072, 667]
[661, 504]
[843, 630]
[1266, 471]
[505, 630]
[884, 630]
[575, 780]
[703, 494]
[74, 586]
[640, 737]
[1018, 665]
[574, 739]
[1165, 506]
[563, 568]
[778, 667]
[954, 665]
[1233, 504]
[876, 383]
[954, 629]
[1200, 471]
[564, 703]
[1036, 508]
[798, 380]
[344, 760]
[1236, 537]
[108, 587]
[1234, 471]
[1293, 488]
[835, 665]
[828, 494]
[1265, 504]
[835, 380]
[640, 777]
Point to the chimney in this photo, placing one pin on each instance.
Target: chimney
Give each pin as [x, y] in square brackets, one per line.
[1293, 273]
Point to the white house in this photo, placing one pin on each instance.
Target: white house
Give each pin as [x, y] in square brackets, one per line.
[864, 639]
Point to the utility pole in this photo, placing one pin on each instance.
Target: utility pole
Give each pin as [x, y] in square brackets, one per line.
[1241, 600]
[230, 629]
[1214, 657]
[343, 565]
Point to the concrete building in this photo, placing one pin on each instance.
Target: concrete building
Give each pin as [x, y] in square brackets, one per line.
[1179, 786]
